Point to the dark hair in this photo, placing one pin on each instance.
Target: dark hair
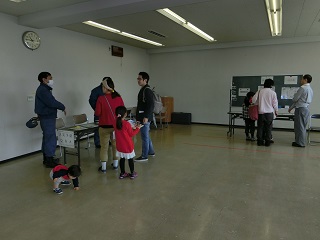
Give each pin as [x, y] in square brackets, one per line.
[247, 98]
[74, 171]
[121, 110]
[268, 83]
[43, 75]
[110, 83]
[144, 75]
[307, 77]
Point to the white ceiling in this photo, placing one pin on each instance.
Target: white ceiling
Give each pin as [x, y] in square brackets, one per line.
[225, 20]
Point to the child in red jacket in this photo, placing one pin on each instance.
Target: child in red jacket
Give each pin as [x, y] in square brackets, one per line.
[61, 174]
[124, 132]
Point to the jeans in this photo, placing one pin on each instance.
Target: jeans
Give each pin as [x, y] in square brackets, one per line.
[147, 147]
[49, 138]
[96, 133]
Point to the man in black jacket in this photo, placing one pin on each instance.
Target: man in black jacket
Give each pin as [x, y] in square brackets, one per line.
[144, 115]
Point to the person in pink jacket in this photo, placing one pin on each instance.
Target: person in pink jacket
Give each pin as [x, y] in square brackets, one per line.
[124, 132]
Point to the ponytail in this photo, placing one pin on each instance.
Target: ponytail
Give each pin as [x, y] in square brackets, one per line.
[120, 112]
[119, 123]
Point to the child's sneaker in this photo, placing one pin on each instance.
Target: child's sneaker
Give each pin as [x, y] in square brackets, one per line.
[133, 175]
[123, 175]
[65, 183]
[58, 190]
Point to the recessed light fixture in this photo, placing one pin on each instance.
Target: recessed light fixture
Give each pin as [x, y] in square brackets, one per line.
[274, 11]
[106, 28]
[180, 20]
[17, 1]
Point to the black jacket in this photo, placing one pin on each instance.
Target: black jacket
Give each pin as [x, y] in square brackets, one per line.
[145, 104]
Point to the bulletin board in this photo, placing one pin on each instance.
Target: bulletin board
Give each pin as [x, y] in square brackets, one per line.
[284, 85]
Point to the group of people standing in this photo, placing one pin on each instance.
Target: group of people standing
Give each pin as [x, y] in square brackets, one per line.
[105, 100]
[267, 101]
[110, 113]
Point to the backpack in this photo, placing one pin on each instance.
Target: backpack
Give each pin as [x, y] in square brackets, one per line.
[157, 101]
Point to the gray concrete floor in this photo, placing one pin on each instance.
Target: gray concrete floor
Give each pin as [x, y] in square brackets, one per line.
[200, 185]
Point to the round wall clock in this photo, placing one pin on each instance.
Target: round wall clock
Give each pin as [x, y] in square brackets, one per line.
[31, 40]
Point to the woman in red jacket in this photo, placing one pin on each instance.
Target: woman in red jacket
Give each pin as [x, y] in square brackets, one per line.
[105, 110]
[125, 149]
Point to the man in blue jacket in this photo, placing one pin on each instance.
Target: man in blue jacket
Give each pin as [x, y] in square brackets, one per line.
[46, 107]
[95, 94]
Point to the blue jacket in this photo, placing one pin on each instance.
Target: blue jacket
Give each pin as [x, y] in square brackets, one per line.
[46, 106]
[95, 94]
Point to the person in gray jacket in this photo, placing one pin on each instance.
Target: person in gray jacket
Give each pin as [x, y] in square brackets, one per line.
[46, 107]
[301, 101]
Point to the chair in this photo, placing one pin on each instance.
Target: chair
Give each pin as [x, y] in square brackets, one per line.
[81, 119]
[60, 124]
[133, 111]
[312, 127]
[162, 117]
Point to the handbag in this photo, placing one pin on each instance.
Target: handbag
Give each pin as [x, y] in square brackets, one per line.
[32, 122]
[253, 110]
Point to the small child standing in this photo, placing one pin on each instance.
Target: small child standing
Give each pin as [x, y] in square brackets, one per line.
[249, 123]
[61, 174]
[124, 132]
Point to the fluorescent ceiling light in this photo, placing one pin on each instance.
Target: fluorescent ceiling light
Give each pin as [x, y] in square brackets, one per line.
[17, 1]
[140, 39]
[274, 11]
[106, 28]
[176, 18]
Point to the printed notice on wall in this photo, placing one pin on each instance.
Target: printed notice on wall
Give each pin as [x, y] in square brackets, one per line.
[243, 91]
[66, 138]
[288, 92]
[290, 79]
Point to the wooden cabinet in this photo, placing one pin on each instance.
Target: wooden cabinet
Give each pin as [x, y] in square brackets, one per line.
[169, 104]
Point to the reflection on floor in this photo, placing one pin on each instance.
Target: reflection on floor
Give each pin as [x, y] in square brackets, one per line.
[200, 185]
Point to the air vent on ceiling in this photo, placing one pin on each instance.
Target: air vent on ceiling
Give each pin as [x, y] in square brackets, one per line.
[156, 33]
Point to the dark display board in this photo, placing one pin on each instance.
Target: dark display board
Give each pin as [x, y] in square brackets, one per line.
[284, 85]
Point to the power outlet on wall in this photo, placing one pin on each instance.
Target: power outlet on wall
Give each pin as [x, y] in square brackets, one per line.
[30, 98]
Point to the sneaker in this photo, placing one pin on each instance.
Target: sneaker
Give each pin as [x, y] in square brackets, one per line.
[123, 175]
[58, 190]
[133, 175]
[141, 159]
[152, 155]
[248, 138]
[65, 183]
[253, 139]
[100, 170]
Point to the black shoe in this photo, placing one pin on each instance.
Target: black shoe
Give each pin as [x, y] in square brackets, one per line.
[51, 162]
[260, 143]
[267, 143]
[98, 146]
[141, 159]
[294, 144]
[114, 168]
[100, 170]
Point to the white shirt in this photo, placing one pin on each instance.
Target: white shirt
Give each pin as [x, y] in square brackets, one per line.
[267, 100]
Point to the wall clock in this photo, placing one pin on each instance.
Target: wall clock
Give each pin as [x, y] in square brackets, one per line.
[31, 40]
